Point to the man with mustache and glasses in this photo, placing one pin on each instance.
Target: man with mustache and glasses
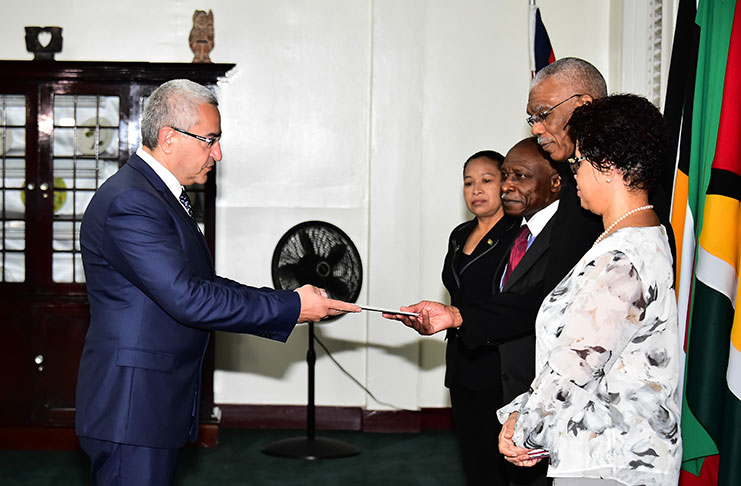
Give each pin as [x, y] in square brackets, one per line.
[555, 92]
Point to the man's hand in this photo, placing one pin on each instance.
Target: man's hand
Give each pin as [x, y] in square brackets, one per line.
[315, 305]
[512, 453]
[433, 317]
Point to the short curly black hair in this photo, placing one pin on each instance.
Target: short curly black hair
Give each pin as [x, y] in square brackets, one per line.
[623, 131]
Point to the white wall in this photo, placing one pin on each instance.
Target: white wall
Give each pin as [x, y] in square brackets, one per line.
[356, 112]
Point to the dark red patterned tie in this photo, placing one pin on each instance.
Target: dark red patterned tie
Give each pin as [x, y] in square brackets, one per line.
[519, 247]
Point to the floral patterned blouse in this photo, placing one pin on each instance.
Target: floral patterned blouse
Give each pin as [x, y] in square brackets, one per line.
[604, 402]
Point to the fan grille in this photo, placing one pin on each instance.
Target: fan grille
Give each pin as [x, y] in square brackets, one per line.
[320, 254]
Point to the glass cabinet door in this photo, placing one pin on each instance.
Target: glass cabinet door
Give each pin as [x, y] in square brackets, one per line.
[85, 152]
[58, 144]
[12, 194]
[56, 149]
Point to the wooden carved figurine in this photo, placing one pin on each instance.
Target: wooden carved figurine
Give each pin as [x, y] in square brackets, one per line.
[201, 37]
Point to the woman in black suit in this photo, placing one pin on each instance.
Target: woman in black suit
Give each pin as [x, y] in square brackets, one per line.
[473, 376]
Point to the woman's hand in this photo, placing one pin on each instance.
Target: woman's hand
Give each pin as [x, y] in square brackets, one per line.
[512, 453]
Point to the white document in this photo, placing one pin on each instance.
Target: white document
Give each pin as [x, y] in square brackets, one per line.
[387, 311]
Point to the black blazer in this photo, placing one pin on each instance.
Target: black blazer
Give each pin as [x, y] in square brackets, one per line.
[506, 319]
[474, 368]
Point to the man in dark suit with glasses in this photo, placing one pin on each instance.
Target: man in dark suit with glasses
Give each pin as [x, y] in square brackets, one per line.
[154, 297]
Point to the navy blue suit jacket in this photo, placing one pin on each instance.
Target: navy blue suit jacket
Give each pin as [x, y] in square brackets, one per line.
[154, 298]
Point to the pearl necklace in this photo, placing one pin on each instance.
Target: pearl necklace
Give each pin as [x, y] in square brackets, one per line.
[612, 226]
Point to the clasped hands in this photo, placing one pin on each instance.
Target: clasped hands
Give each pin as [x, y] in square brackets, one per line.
[519, 456]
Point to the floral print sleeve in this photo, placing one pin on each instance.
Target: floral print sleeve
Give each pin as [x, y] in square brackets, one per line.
[606, 313]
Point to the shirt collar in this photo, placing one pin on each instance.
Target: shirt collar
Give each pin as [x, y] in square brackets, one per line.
[538, 220]
[167, 177]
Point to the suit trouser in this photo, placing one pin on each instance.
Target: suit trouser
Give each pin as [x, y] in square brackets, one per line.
[114, 464]
[477, 429]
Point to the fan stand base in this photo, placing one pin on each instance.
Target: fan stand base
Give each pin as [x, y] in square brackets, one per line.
[311, 448]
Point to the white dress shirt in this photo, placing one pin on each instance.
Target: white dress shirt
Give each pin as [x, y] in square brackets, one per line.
[167, 177]
[535, 224]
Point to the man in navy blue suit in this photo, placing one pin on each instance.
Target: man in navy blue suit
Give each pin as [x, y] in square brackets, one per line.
[154, 297]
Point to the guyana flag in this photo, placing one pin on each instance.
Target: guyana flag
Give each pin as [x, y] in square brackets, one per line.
[703, 108]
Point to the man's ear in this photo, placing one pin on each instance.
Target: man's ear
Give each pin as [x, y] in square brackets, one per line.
[555, 183]
[165, 139]
[585, 99]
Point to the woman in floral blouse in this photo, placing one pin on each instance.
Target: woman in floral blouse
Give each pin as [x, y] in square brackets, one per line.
[604, 407]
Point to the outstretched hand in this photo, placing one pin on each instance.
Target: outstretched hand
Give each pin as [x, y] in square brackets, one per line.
[512, 453]
[316, 305]
[433, 317]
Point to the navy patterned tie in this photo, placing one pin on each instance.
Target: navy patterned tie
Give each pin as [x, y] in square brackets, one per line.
[185, 200]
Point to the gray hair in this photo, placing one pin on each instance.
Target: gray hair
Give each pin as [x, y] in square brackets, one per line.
[577, 73]
[174, 104]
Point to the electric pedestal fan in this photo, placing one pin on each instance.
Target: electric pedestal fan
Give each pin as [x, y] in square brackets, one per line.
[320, 254]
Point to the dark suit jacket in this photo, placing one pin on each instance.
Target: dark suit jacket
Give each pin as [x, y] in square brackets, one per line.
[477, 368]
[506, 319]
[154, 298]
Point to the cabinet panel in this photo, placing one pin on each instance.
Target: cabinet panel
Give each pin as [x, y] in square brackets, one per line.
[39, 370]
[16, 365]
[60, 337]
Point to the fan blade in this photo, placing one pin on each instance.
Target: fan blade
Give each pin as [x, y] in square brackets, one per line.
[288, 271]
[306, 243]
[336, 288]
[336, 253]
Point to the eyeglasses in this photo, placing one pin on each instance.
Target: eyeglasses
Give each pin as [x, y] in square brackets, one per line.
[540, 117]
[210, 141]
[575, 163]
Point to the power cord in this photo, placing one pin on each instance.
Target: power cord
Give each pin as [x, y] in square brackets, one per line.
[347, 373]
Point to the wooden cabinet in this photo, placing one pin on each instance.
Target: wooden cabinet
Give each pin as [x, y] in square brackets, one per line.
[65, 127]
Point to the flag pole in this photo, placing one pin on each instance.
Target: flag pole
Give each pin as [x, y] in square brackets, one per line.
[531, 36]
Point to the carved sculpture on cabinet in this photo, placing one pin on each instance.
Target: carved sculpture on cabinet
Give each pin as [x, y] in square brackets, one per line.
[201, 37]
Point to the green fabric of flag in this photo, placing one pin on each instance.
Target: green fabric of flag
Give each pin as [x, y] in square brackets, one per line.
[711, 415]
